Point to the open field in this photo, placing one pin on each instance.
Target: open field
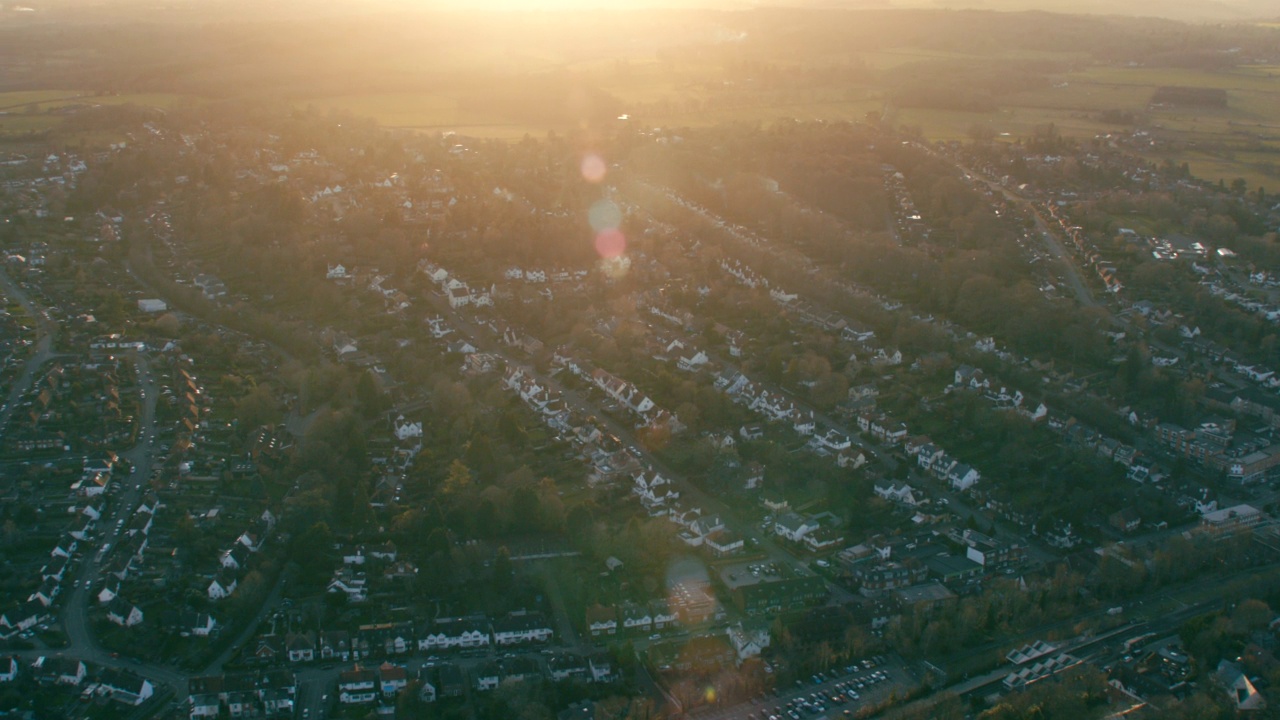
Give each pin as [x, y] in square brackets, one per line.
[26, 112]
[504, 90]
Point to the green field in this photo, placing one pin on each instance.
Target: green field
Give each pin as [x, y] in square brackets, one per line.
[38, 111]
[1242, 140]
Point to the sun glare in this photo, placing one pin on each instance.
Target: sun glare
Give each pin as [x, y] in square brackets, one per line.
[561, 5]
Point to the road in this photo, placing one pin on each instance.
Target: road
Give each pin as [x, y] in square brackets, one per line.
[46, 334]
[247, 633]
[75, 611]
[1051, 241]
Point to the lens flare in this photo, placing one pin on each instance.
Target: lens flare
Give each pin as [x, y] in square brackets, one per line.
[604, 215]
[610, 243]
[593, 168]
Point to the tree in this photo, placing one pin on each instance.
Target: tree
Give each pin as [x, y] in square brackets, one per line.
[578, 522]
[502, 571]
[257, 408]
[457, 481]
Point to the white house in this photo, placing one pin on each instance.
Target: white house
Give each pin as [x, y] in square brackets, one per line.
[901, 493]
[352, 584]
[392, 679]
[300, 647]
[793, 527]
[205, 705]
[454, 634]
[519, 628]
[123, 613]
[222, 586]
[602, 620]
[748, 643]
[125, 687]
[407, 430]
[358, 685]
[963, 477]
[197, 624]
[109, 591]
[8, 669]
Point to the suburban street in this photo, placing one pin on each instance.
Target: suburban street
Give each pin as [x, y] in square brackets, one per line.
[42, 350]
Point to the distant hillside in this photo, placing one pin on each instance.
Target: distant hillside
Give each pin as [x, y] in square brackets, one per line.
[1184, 10]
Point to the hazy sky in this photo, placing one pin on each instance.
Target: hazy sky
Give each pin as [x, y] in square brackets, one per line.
[1170, 8]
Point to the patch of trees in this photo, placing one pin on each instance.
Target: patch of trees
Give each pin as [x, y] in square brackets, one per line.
[1190, 96]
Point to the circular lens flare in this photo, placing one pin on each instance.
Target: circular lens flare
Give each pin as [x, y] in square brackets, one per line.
[610, 243]
[604, 215]
[593, 168]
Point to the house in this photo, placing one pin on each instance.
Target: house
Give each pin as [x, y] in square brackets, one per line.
[22, 618]
[486, 676]
[58, 670]
[123, 613]
[751, 432]
[748, 642]
[236, 558]
[1231, 519]
[46, 593]
[823, 538]
[793, 527]
[897, 492]
[427, 691]
[204, 705]
[1125, 520]
[723, 543]
[265, 650]
[352, 584]
[8, 669]
[197, 624]
[392, 679]
[662, 614]
[252, 540]
[968, 377]
[962, 477]
[832, 440]
[636, 618]
[54, 570]
[110, 589]
[562, 666]
[357, 686]
[464, 633]
[125, 687]
[601, 667]
[851, 460]
[300, 647]
[804, 424]
[335, 645]
[1239, 689]
[602, 620]
[386, 551]
[522, 627]
[222, 586]
[405, 430]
